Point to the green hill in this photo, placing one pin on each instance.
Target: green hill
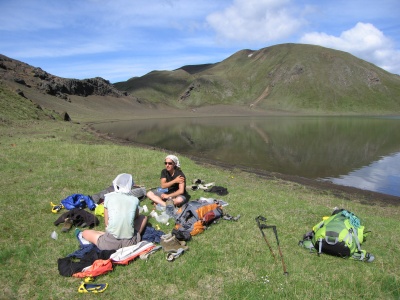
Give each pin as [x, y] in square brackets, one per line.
[15, 106]
[288, 77]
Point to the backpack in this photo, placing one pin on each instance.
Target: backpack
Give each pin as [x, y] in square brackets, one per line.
[341, 235]
[194, 217]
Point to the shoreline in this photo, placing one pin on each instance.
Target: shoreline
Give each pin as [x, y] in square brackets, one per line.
[344, 192]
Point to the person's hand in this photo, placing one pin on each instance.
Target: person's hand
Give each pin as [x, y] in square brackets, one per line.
[179, 179]
[164, 196]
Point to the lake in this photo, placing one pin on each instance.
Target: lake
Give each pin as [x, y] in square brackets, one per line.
[362, 152]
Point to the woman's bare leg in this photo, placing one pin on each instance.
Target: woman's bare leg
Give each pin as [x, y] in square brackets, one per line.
[156, 199]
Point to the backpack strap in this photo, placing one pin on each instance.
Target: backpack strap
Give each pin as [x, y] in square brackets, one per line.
[360, 254]
[354, 233]
[320, 246]
[315, 229]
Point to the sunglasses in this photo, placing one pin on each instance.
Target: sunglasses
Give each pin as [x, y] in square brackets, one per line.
[168, 163]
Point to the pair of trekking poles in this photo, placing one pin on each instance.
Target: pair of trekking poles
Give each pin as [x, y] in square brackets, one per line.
[261, 226]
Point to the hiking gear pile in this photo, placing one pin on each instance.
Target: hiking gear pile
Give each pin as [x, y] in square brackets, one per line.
[89, 261]
[193, 218]
[97, 262]
[341, 235]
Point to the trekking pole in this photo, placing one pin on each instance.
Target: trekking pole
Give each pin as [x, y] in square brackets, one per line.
[262, 226]
[279, 247]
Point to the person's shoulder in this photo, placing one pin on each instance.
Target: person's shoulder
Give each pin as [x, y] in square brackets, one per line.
[110, 195]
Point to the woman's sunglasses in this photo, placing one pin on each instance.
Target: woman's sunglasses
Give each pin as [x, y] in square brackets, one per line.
[168, 163]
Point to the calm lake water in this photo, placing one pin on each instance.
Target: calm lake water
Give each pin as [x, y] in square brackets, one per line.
[362, 152]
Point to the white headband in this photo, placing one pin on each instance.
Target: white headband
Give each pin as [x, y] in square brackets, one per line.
[174, 159]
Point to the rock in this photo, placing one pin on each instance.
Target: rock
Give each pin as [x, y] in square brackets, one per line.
[66, 117]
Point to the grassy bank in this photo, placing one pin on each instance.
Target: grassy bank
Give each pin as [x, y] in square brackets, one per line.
[47, 161]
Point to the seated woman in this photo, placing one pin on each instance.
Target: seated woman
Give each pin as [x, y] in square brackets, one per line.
[124, 225]
[173, 181]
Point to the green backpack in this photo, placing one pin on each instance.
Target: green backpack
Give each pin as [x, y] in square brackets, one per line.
[341, 235]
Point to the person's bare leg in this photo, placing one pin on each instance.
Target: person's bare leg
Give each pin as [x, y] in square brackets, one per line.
[92, 235]
[156, 199]
[140, 223]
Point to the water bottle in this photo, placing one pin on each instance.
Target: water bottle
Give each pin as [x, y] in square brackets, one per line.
[170, 209]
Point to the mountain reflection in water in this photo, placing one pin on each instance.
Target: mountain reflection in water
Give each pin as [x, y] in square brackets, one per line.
[345, 150]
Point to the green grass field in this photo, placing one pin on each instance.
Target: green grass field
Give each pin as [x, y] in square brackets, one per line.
[44, 161]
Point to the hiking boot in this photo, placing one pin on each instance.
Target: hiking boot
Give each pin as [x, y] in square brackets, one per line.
[170, 207]
[67, 225]
[169, 235]
[172, 244]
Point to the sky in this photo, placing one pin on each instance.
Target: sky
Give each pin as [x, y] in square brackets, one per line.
[121, 39]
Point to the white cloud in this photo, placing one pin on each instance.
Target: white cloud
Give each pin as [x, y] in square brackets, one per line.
[258, 21]
[364, 41]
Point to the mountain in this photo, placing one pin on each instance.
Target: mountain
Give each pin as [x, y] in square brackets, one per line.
[291, 78]
[286, 77]
[96, 98]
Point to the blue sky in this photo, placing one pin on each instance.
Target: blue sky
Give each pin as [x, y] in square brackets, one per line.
[120, 39]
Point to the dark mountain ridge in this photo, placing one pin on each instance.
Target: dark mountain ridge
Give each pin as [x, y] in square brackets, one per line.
[33, 77]
[95, 98]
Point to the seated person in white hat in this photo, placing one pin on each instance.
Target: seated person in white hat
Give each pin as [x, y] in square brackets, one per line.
[123, 223]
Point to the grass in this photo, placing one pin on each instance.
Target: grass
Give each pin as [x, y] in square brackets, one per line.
[43, 161]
